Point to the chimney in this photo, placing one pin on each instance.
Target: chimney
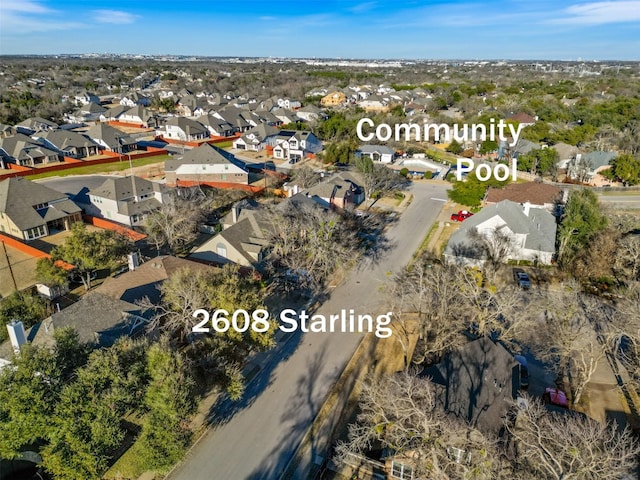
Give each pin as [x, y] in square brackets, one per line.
[235, 211]
[133, 260]
[526, 206]
[16, 334]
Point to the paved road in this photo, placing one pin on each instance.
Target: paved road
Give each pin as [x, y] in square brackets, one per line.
[621, 201]
[259, 438]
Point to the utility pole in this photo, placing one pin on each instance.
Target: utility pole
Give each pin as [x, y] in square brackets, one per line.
[13, 278]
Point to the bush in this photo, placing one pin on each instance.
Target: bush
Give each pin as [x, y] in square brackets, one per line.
[428, 175]
[404, 172]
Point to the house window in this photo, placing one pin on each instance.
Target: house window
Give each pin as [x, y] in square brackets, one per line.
[402, 471]
[221, 250]
[35, 232]
[38, 206]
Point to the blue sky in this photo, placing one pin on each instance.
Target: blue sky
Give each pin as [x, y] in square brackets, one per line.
[516, 29]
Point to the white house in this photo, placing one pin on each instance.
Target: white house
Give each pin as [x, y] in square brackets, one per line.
[127, 200]
[288, 103]
[294, 145]
[184, 129]
[530, 234]
[377, 153]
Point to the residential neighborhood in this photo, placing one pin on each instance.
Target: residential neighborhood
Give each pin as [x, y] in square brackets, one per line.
[205, 272]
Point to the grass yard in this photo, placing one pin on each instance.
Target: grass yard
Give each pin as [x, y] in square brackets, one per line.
[225, 144]
[116, 166]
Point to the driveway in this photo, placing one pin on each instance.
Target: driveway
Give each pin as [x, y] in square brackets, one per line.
[256, 437]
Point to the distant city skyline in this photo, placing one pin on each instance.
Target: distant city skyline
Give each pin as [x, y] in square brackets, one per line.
[518, 30]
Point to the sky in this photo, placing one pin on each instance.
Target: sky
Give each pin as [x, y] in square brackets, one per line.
[515, 29]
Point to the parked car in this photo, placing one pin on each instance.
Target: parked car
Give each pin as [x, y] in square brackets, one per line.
[555, 396]
[461, 216]
[524, 371]
[522, 279]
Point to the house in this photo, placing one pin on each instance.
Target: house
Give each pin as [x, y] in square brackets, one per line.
[69, 143]
[342, 190]
[584, 168]
[374, 103]
[113, 114]
[99, 319]
[536, 194]
[86, 98]
[566, 153]
[523, 119]
[139, 116]
[478, 383]
[530, 232]
[288, 103]
[243, 241]
[377, 153]
[145, 280]
[127, 200]
[257, 138]
[26, 151]
[206, 164]
[217, 127]
[241, 119]
[31, 210]
[285, 116]
[87, 113]
[35, 124]
[132, 99]
[110, 138]
[183, 129]
[334, 99]
[294, 145]
[309, 113]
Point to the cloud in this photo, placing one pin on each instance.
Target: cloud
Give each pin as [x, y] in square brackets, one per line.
[19, 17]
[599, 13]
[362, 7]
[114, 16]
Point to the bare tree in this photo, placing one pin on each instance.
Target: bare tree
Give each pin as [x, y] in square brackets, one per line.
[175, 223]
[566, 447]
[310, 242]
[496, 247]
[564, 335]
[627, 257]
[401, 412]
[306, 177]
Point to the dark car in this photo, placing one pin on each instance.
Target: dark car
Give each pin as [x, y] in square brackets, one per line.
[461, 216]
[522, 279]
[524, 371]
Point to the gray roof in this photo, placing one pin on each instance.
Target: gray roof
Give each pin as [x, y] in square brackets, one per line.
[37, 123]
[598, 159]
[64, 139]
[98, 318]
[145, 280]
[382, 149]
[480, 383]
[121, 188]
[18, 196]
[113, 137]
[116, 111]
[539, 227]
[205, 153]
[189, 126]
[23, 147]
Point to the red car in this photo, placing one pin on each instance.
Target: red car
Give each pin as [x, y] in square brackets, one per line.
[461, 216]
[555, 396]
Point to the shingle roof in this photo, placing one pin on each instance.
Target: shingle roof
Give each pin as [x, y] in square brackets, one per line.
[189, 126]
[64, 139]
[383, 149]
[145, 280]
[539, 227]
[19, 195]
[205, 153]
[113, 137]
[532, 192]
[98, 318]
[121, 188]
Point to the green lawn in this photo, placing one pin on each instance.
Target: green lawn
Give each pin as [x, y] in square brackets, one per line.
[225, 144]
[102, 168]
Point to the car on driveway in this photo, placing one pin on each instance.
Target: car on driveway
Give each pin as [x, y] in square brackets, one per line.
[555, 396]
[461, 216]
[522, 279]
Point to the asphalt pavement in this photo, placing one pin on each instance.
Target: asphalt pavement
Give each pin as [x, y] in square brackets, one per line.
[256, 437]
